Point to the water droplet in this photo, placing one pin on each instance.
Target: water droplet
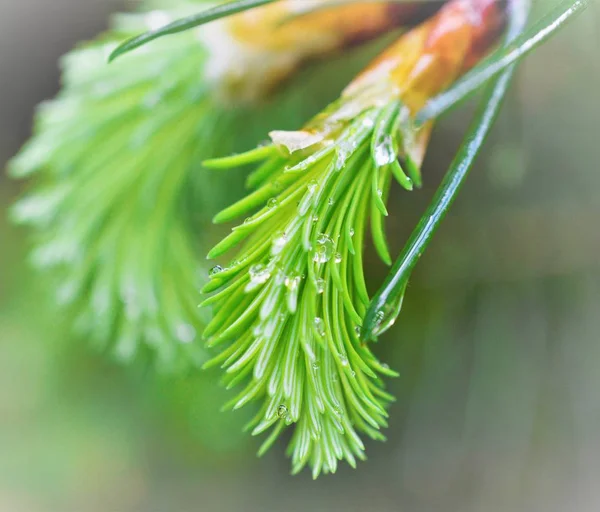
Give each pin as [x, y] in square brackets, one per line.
[284, 414]
[353, 373]
[315, 365]
[259, 274]
[338, 257]
[320, 326]
[379, 192]
[272, 203]
[217, 269]
[324, 249]
[343, 360]
[247, 220]
[312, 186]
[340, 161]
[383, 151]
[344, 151]
[386, 316]
[357, 330]
[279, 242]
[351, 232]
[185, 333]
[314, 219]
[331, 201]
[338, 411]
[320, 285]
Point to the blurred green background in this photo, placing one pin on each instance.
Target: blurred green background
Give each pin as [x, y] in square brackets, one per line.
[498, 346]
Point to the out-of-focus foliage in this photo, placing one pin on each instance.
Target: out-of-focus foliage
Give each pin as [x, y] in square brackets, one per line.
[121, 197]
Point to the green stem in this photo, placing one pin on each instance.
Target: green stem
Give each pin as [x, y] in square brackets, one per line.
[206, 16]
[393, 288]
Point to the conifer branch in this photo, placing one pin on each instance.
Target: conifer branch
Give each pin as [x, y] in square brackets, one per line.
[287, 310]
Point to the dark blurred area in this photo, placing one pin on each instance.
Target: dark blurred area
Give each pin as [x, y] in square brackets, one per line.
[498, 346]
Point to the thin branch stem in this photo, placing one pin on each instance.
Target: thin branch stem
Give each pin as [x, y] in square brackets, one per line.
[394, 286]
[183, 24]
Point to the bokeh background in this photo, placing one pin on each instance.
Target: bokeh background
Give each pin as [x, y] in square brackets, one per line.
[498, 346]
